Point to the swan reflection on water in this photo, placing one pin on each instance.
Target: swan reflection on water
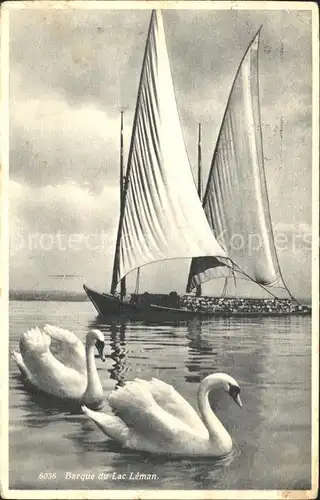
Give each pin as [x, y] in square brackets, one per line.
[203, 470]
[199, 349]
[39, 408]
[118, 347]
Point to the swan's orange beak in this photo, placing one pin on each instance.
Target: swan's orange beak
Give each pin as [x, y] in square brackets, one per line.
[237, 400]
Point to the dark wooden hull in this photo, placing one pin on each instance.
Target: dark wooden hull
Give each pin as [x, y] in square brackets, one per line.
[110, 305]
[106, 304]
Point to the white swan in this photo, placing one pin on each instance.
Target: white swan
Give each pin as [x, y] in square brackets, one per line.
[154, 417]
[68, 371]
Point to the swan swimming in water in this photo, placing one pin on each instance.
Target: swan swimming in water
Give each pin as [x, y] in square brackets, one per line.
[152, 416]
[56, 362]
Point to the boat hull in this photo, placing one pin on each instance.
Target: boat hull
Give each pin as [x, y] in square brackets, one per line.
[106, 304]
[109, 305]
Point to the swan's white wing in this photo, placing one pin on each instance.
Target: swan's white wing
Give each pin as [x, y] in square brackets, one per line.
[137, 408]
[116, 429]
[144, 425]
[47, 372]
[170, 400]
[67, 347]
[33, 342]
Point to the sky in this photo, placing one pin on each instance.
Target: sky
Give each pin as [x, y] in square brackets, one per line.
[73, 71]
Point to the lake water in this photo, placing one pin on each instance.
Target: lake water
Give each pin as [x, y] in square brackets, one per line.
[269, 357]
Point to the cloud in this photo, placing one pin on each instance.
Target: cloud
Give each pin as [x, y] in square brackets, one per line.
[77, 54]
[54, 143]
[90, 57]
[65, 207]
[63, 229]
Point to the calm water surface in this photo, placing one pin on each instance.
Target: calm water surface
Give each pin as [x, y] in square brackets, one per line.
[269, 357]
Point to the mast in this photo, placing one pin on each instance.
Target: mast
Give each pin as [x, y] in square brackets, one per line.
[126, 181]
[136, 291]
[122, 178]
[199, 288]
[116, 255]
[121, 186]
[121, 159]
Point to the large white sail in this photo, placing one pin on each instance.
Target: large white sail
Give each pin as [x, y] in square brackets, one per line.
[235, 202]
[162, 216]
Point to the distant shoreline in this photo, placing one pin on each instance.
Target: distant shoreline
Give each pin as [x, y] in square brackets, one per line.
[55, 296]
[48, 296]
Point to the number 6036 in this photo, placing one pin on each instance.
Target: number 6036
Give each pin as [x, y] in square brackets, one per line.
[47, 475]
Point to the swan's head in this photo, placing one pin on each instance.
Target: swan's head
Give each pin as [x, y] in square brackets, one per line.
[227, 383]
[232, 388]
[95, 337]
[234, 392]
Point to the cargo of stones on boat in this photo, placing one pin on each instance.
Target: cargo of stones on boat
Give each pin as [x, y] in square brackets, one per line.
[243, 306]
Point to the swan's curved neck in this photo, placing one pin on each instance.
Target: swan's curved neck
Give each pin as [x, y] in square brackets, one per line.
[94, 388]
[215, 428]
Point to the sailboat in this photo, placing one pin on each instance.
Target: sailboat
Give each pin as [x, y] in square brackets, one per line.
[162, 215]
